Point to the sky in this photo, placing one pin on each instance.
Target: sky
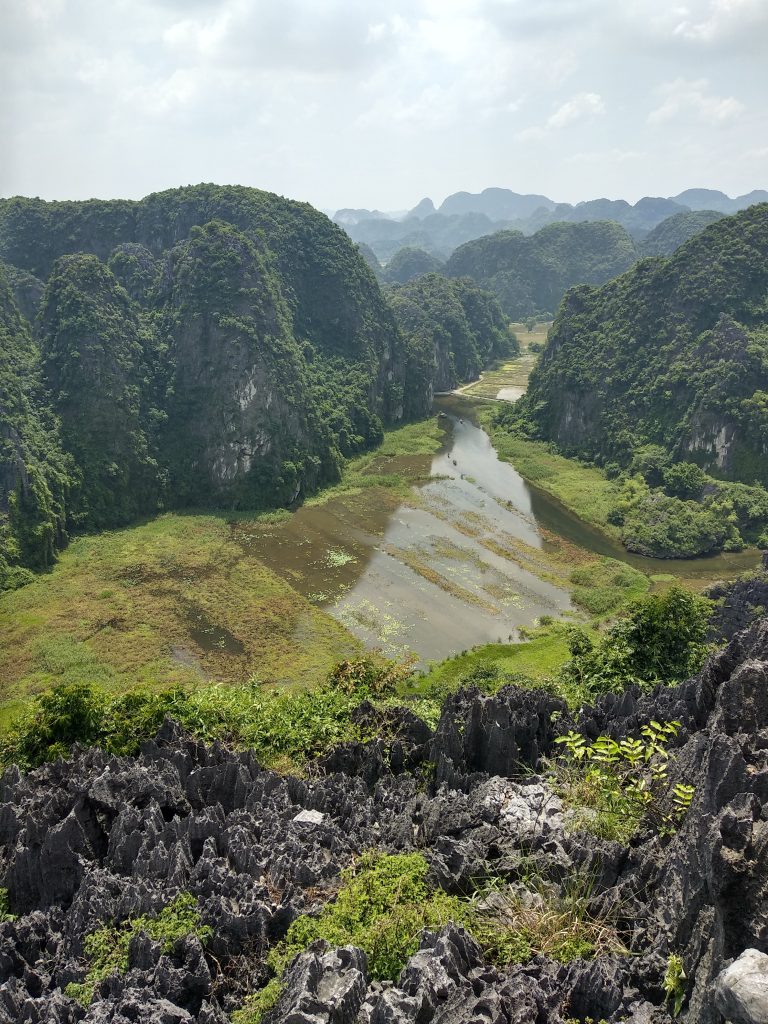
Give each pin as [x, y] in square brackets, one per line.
[378, 103]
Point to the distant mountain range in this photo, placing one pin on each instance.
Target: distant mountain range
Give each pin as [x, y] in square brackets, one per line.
[464, 216]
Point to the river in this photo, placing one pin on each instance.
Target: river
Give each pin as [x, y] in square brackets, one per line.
[468, 558]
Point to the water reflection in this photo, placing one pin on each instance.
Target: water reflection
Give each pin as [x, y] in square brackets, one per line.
[457, 564]
[429, 575]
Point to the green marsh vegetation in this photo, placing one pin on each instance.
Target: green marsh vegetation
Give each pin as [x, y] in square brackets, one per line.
[660, 640]
[130, 608]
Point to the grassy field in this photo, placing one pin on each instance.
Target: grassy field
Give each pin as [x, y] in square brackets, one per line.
[176, 600]
[179, 600]
[537, 660]
[585, 490]
[402, 459]
[512, 373]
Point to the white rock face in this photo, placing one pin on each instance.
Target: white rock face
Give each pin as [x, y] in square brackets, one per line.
[528, 811]
[741, 991]
[310, 817]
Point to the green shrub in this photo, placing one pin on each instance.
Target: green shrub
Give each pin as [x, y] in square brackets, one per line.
[651, 461]
[67, 714]
[618, 783]
[383, 904]
[663, 527]
[684, 480]
[106, 948]
[283, 728]
[661, 639]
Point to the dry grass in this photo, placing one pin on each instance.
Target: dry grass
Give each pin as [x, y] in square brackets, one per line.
[517, 922]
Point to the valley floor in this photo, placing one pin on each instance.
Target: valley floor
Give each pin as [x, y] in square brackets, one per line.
[410, 551]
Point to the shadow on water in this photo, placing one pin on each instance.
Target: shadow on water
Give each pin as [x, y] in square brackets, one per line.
[208, 635]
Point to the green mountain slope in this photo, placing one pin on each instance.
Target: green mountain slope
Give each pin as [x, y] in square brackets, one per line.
[668, 236]
[35, 474]
[530, 274]
[673, 353]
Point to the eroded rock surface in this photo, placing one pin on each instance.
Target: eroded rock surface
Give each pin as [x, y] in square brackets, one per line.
[97, 838]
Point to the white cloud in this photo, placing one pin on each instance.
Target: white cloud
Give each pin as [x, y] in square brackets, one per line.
[723, 20]
[686, 98]
[379, 103]
[584, 104]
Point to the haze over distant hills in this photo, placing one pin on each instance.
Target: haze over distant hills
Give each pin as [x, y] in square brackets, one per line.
[464, 216]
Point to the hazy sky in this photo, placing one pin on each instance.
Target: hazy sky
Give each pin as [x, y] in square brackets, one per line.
[381, 102]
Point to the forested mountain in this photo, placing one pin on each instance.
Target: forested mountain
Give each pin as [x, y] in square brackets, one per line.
[408, 263]
[207, 346]
[530, 274]
[671, 233]
[713, 199]
[371, 259]
[465, 216]
[675, 352]
[35, 474]
[437, 233]
[452, 329]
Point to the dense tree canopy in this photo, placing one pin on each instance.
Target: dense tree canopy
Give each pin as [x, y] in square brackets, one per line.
[205, 346]
[530, 274]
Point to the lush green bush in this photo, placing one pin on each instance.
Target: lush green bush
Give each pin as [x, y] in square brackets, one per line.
[106, 948]
[661, 639]
[284, 729]
[684, 480]
[663, 527]
[5, 910]
[651, 461]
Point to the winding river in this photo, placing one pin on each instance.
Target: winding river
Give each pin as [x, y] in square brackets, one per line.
[469, 557]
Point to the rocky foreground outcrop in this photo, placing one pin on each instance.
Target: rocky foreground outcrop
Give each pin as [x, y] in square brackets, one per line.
[98, 838]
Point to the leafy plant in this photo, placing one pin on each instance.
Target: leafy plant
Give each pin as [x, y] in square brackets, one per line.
[674, 982]
[622, 781]
[106, 948]
[5, 910]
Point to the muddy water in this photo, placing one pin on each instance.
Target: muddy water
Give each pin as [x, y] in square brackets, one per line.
[444, 569]
[511, 393]
[427, 574]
